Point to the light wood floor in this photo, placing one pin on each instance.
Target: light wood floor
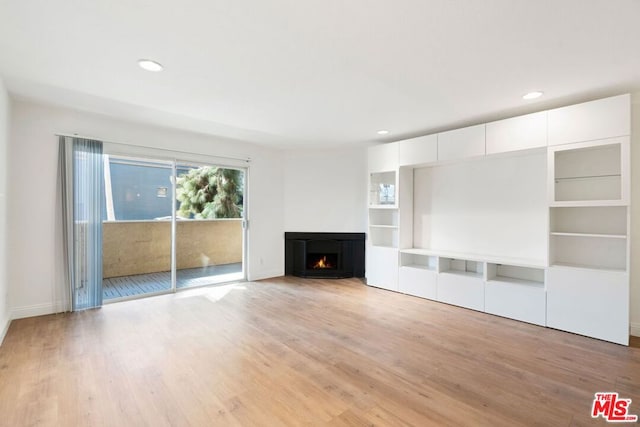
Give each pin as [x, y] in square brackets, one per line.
[302, 352]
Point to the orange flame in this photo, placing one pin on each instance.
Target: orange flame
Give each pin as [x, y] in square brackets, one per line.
[322, 263]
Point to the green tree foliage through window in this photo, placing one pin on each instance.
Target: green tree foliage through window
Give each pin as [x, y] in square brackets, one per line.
[210, 192]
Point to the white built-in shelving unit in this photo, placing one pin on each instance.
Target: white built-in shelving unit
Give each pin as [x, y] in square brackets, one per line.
[424, 241]
[588, 188]
[383, 237]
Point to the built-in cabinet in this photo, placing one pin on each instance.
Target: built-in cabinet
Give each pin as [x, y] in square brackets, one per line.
[590, 121]
[419, 150]
[383, 212]
[588, 188]
[518, 133]
[462, 143]
[516, 292]
[461, 282]
[582, 286]
[418, 274]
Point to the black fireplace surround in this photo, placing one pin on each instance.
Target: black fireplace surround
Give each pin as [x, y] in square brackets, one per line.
[324, 255]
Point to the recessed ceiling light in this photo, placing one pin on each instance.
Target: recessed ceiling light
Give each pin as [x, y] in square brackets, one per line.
[383, 132]
[532, 95]
[149, 65]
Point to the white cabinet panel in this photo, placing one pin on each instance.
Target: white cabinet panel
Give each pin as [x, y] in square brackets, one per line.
[460, 289]
[382, 267]
[418, 151]
[516, 301]
[517, 133]
[604, 118]
[589, 302]
[462, 143]
[383, 157]
[419, 282]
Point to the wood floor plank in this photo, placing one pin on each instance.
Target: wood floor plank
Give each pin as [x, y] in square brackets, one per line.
[289, 352]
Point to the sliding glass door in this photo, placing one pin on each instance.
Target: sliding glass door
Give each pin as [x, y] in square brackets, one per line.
[209, 228]
[136, 249]
[169, 225]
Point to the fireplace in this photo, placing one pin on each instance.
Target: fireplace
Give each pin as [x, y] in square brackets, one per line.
[324, 255]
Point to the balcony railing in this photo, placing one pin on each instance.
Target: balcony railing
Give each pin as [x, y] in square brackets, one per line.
[142, 247]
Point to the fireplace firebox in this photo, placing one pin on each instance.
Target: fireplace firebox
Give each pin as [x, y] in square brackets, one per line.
[324, 255]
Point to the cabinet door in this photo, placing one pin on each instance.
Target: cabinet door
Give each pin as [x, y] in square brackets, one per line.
[604, 118]
[517, 133]
[418, 151]
[462, 143]
[589, 302]
[383, 157]
[515, 301]
[459, 289]
[591, 172]
[382, 267]
[419, 282]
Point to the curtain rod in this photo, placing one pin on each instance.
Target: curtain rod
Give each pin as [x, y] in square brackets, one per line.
[243, 159]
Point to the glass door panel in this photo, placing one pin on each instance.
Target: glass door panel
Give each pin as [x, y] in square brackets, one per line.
[209, 235]
[136, 248]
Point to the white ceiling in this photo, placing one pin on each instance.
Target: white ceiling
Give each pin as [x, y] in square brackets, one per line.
[302, 72]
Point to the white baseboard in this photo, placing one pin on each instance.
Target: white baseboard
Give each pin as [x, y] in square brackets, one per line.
[5, 328]
[37, 310]
[266, 274]
[635, 329]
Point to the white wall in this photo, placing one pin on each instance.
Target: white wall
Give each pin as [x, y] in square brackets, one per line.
[4, 141]
[495, 206]
[35, 261]
[635, 214]
[325, 190]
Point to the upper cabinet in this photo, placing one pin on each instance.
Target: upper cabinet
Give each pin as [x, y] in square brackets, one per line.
[419, 150]
[517, 133]
[383, 157]
[590, 121]
[604, 118]
[462, 143]
[589, 173]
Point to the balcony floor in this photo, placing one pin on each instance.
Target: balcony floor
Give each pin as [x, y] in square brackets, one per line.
[139, 284]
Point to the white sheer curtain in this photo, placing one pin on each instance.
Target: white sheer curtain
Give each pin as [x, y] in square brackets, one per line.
[82, 182]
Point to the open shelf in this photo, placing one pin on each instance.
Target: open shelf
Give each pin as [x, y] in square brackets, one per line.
[515, 275]
[606, 236]
[600, 221]
[522, 262]
[383, 207]
[461, 267]
[598, 252]
[425, 262]
[587, 177]
[383, 217]
[585, 266]
[385, 236]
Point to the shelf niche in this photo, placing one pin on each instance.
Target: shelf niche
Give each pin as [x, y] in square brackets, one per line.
[424, 262]
[515, 274]
[589, 237]
[611, 220]
[383, 217]
[594, 252]
[384, 236]
[461, 267]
